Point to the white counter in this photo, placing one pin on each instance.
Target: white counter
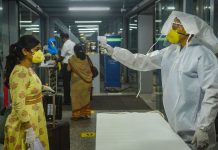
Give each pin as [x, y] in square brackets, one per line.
[136, 131]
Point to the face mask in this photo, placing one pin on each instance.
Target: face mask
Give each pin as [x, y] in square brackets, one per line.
[38, 57]
[173, 36]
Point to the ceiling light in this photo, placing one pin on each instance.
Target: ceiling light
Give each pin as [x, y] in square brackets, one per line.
[29, 29]
[26, 21]
[207, 7]
[158, 21]
[88, 21]
[33, 25]
[87, 29]
[133, 24]
[1, 8]
[133, 27]
[35, 31]
[89, 8]
[171, 8]
[87, 26]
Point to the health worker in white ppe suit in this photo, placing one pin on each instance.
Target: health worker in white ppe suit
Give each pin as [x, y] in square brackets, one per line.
[189, 76]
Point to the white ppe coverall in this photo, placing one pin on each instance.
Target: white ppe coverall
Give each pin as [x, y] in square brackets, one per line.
[189, 80]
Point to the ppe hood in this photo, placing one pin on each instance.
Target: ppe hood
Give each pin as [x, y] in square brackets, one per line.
[193, 25]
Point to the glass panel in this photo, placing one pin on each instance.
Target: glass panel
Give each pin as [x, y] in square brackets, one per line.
[216, 18]
[132, 77]
[133, 34]
[1, 50]
[202, 9]
[206, 11]
[1, 56]
[29, 22]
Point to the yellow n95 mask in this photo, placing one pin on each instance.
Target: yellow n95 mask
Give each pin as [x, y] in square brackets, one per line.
[38, 57]
[173, 36]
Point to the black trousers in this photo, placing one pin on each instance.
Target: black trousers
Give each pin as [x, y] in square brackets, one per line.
[66, 84]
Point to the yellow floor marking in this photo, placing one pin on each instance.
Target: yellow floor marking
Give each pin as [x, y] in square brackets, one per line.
[87, 134]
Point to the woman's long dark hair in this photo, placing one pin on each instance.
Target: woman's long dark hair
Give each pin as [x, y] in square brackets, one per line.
[15, 54]
[80, 51]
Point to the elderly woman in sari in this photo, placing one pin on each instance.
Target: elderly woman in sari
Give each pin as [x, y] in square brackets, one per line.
[81, 83]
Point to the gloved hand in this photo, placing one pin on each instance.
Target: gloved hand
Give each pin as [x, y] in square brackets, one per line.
[47, 89]
[108, 48]
[30, 136]
[201, 139]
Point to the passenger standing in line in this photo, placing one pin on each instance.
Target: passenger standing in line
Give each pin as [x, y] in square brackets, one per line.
[189, 77]
[81, 83]
[66, 52]
[27, 119]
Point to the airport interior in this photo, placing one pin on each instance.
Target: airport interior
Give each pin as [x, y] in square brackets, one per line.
[126, 108]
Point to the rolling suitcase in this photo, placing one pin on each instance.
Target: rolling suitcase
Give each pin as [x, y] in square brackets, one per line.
[48, 106]
[58, 131]
[59, 135]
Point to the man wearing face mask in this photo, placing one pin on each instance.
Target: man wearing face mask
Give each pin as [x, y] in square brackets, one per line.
[189, 77]
[27, 120]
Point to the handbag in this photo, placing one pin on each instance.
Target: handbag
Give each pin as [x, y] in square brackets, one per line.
[94, 71]
[93, 68]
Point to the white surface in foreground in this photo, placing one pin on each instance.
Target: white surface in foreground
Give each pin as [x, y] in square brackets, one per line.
[136, 131]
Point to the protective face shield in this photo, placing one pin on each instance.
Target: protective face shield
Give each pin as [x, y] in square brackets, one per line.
[188, 21]
[38, 57]
[193, 25]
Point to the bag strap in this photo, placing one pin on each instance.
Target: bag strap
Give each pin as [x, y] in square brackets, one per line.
[89, 60]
